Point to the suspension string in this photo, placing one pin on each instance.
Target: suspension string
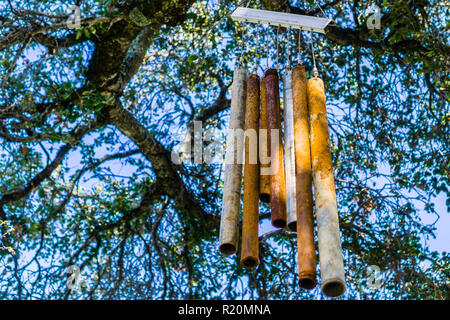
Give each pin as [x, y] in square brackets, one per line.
[261, 37]
[255, 69]
[318, 4]
[268, 48]
[288, 51]
[278, 32]
[321, 10]
[239, 62]
[316, 73]
[300, 61]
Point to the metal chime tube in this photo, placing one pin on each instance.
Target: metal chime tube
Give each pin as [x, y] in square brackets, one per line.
[229, 224]
[277, 180]
[264, 145]
[330, 252]
[303, 179]
[289, 156]
[250, 219]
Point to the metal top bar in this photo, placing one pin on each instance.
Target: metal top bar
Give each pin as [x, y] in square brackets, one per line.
[281, 19]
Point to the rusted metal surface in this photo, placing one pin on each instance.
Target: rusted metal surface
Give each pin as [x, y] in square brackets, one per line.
[305, 221]
[330, 252]
[250, 219]
[264, 147]
[229, 223]
[277, 180]
[289, 156]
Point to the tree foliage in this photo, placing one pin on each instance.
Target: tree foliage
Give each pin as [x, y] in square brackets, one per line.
[89, 117]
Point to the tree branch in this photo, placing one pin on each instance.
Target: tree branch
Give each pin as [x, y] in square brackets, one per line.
[168, 178]
[77, 134]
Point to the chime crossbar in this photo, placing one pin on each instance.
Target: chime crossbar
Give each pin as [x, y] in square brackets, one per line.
[280, 19]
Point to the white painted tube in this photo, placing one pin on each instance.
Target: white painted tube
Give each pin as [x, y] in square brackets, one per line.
[289, 154]
[232, 169]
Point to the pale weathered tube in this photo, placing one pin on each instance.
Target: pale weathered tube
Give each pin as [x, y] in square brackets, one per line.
[264, 146]
[307, 267]
[250, 218]
[289, 156]
[277, 180]
[330, 252]
[229, 223]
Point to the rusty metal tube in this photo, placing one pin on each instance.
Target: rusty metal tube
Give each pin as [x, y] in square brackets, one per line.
[277, 180]
[289, 155]
[330, 252]
[264, 147]
[250, 218]
[305, 221]
[229, 223]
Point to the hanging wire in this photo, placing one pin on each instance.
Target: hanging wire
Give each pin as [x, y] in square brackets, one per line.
[240, 59]
[245, 3]
[268, 48]
[261, 38]
[278, 32]
[300, 61]
[316, 73]
[255, 69]
[288, 51]
[318, 4]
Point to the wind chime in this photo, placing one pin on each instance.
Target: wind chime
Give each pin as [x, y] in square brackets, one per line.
[286, 180]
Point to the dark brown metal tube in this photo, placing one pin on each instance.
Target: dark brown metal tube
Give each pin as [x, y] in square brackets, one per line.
[250, 219]
[303, 179]
[264, 147]
[277, 180]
